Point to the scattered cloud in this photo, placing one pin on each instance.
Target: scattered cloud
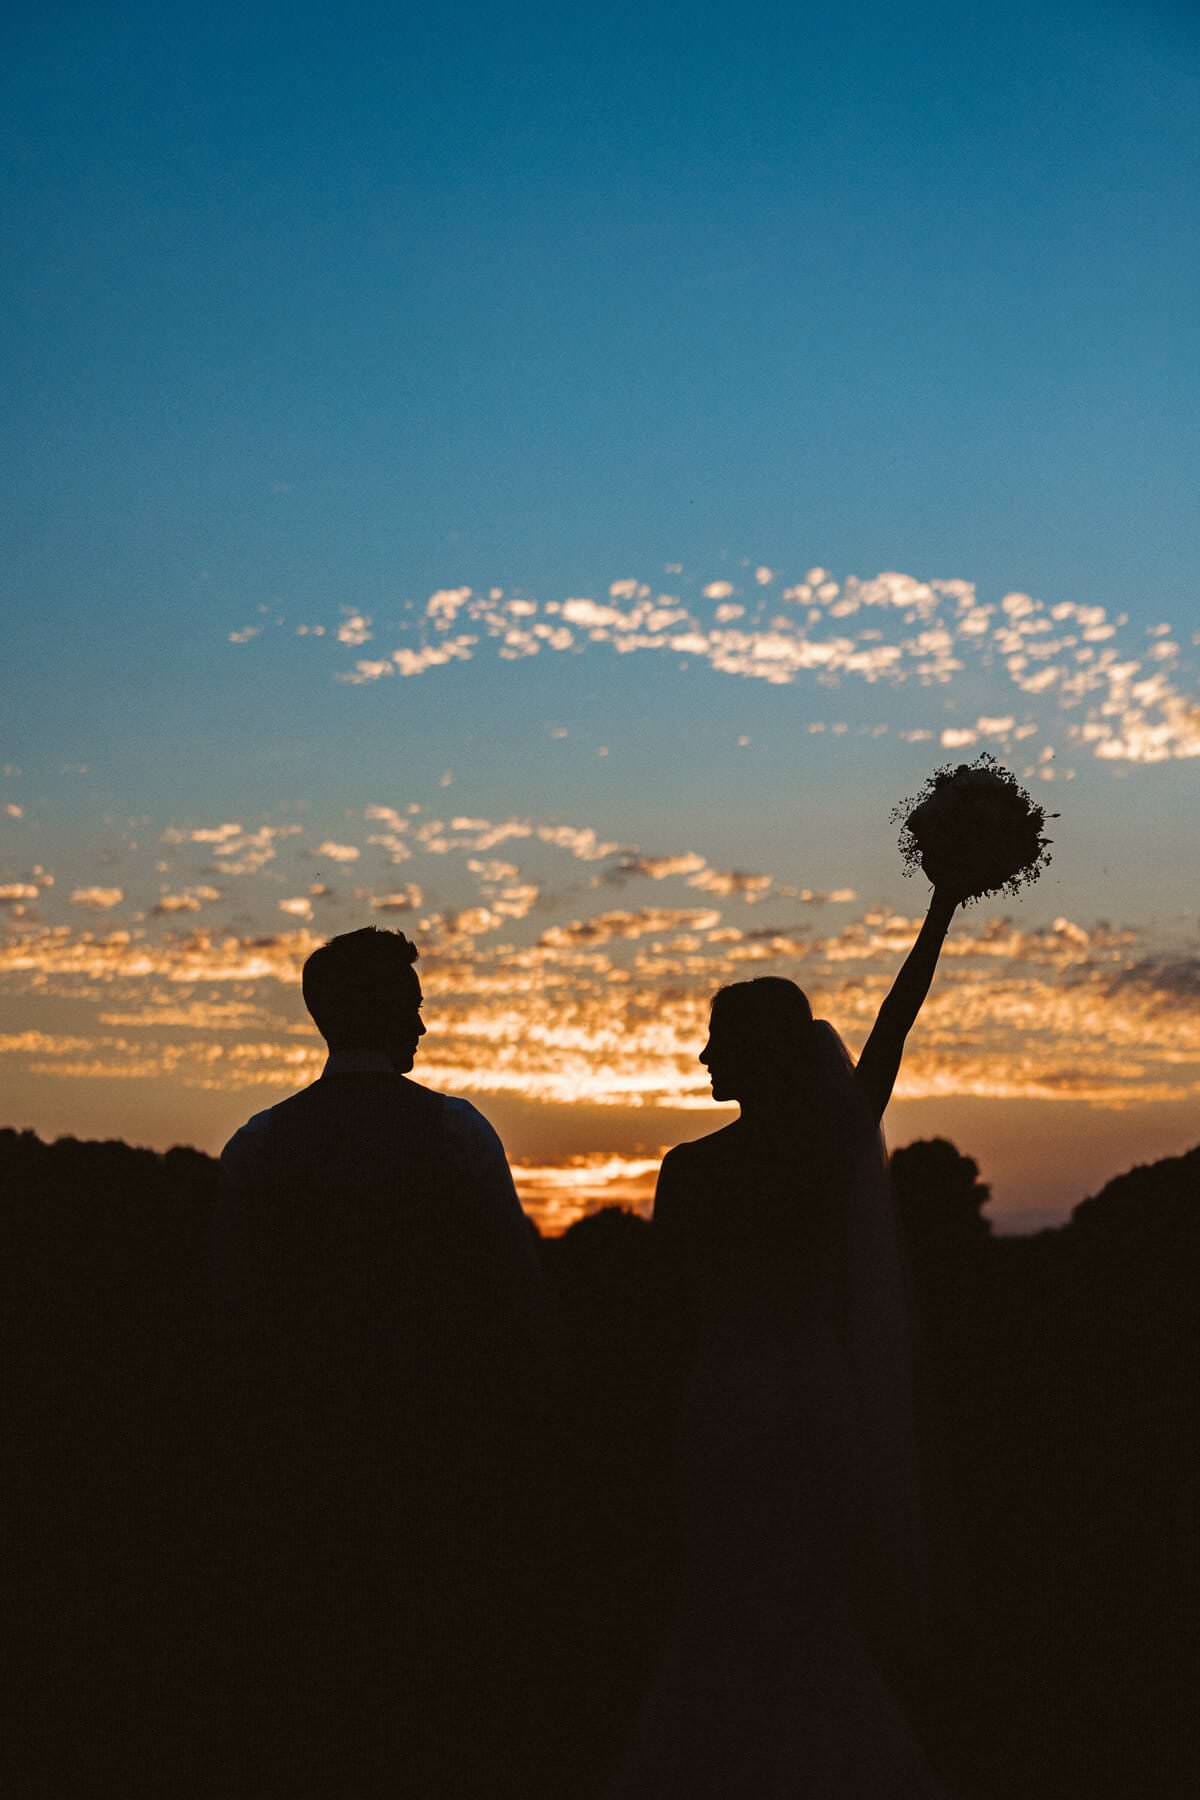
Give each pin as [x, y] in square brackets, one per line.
[405, 661]
[1116, 701]
[604, 927]
[581, 841]
[405, 899]
[100, 899]
[191, 900]
[732, 882]
[444, 606]
[1169, 982]
[355, 627]
[655, 868]
[387, 815]
[610, 1009]
[240, 851]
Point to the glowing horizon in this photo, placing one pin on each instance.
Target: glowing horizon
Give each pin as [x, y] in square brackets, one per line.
[555, 997]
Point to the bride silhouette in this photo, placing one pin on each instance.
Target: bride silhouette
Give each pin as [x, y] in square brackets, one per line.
[803, 1597]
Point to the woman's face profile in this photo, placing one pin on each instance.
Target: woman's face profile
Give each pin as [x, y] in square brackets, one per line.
[731, 1055]
[754, 1051]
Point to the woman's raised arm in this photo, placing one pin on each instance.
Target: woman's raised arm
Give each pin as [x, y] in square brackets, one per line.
[879, 1063]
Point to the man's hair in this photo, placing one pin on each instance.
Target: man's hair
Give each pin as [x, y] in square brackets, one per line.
[345, 979]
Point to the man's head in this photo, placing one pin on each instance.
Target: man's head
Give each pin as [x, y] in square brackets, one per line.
[363, 993]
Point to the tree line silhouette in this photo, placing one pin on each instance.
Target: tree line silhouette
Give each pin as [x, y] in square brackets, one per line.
[1058, 1415]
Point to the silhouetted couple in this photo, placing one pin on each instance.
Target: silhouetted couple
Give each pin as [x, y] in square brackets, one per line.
[388, 1365]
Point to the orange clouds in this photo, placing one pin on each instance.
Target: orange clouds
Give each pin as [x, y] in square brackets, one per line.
[611, 1010]
[405, 899]
[190, 901]
[555, 1195]
[98, 899]
[732, 881]
[600, 1006]
[240, 851]
[604, 927]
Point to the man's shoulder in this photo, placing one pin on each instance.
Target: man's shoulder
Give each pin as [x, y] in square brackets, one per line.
[367, 1130]
[461, 1112]
[467, 1128]
[305, 1118]
[251, 1140]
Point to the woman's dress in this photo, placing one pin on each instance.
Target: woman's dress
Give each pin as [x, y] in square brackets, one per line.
[770, 1685]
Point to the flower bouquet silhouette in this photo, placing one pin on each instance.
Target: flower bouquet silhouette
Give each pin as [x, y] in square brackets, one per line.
[974, 830]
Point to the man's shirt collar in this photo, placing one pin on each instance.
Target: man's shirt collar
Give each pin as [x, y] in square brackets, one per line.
[358, 1062]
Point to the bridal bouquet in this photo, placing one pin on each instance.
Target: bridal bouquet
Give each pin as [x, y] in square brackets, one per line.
[974, 830]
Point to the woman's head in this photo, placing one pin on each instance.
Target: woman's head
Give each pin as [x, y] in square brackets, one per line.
[760, 1036]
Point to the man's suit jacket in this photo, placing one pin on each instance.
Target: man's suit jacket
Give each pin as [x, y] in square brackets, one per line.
[382, 1354]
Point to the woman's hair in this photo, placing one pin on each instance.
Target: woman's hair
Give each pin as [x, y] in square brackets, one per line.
[771, 1010]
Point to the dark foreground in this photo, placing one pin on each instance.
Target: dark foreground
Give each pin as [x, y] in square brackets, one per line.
[1061, 1423]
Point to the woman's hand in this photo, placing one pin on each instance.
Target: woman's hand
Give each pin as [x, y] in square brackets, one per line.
[947, 897]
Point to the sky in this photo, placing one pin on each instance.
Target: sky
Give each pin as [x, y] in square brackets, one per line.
[552, 480]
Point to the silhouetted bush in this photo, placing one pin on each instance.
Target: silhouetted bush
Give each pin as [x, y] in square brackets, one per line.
[939, 1196]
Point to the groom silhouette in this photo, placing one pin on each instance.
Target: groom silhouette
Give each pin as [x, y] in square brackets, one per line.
[381, 1322]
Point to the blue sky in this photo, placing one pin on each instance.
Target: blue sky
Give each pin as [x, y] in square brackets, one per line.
[314, 313]
[530, 291]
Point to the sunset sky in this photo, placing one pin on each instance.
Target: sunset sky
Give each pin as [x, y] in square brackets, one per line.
[552, 480]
